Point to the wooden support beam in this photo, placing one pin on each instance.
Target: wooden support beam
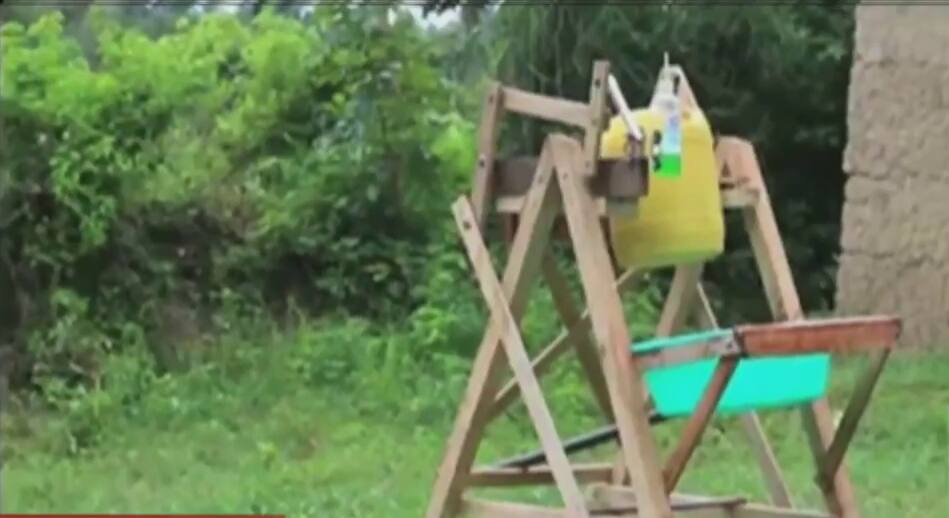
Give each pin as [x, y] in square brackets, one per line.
[740, 163]
[834, 335]
[523, 264]
[501, 316]
[751, 423]
[596, 118]
[698, 422]
[478, 508]
[624, 379]
[482, 191]
[715, 348]
[582, 342]
[851, 418]
[552, 109]
[536, 476]
[613, 178]
[692, 506]
[557, 348]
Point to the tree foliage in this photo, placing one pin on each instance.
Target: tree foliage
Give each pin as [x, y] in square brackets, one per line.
[301, 164]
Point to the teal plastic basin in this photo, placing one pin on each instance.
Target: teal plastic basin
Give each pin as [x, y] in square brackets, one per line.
[757, 384]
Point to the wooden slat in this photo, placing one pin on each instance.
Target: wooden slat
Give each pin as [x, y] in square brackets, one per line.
[582, 343]
[518, 359]
[613, 178]
[596, 117]
[766, 511]
[717, 348]
[739, 197]
[491, 116]
[751, 423]
[523, 264]
[835, 335]
[478, 508]
[728, 507]
[854, 411]
[698, 422]
[625, 381]
[558, 347]
[544, 107]
[493, 477]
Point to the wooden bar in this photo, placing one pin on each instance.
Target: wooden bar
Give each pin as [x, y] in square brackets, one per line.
[855, 410]
[740, 164]
[524, 260]
[834, 335]
[478, 508]
[557, 348]
[625, 380]
[483, 189]
[698, 422]
[613, 178]
[582, 343]
[693, 506]
[536, 476]
[503, 317]
[717, 348]
[553, 109]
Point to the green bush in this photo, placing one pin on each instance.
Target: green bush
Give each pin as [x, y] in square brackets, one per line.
[299, 164]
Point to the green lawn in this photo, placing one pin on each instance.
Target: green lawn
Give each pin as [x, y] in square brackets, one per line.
[264, 440]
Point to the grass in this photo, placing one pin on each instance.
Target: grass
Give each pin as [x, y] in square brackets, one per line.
[258, 433]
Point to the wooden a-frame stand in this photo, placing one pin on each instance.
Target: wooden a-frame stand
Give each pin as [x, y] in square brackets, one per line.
[569, 183]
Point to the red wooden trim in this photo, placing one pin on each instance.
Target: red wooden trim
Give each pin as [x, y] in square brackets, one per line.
[834, 335]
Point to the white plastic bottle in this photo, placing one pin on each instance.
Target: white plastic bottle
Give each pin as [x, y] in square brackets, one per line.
[667, 104]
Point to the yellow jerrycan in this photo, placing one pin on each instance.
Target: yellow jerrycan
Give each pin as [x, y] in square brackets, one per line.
[680, 219]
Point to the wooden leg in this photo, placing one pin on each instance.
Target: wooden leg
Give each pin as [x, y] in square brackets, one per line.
[853, 413]
[767, 461]
[582, 342]
[523, 265]
[782, 296]
[520, 363]
[557, 348]
[698, 422]
[675, 310]
[612, 336]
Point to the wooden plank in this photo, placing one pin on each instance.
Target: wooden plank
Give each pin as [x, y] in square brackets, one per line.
[767, 461]
[519, 360]
[582, 343]
[558, 347]
[624, 380]
[596, 117]
[544, 107]
[613, 178]
[717, 348]
[491, 116]
[514, 204]
[776, 276]
[765, 511]
[835, 335]
[614, 496]
[478, 508]
[739, 197]
[698, 422]
[680, 300]
[523, 264]
[851, 418]
[540, 475]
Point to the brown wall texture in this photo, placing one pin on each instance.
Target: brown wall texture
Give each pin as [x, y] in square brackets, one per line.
[895, 229]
